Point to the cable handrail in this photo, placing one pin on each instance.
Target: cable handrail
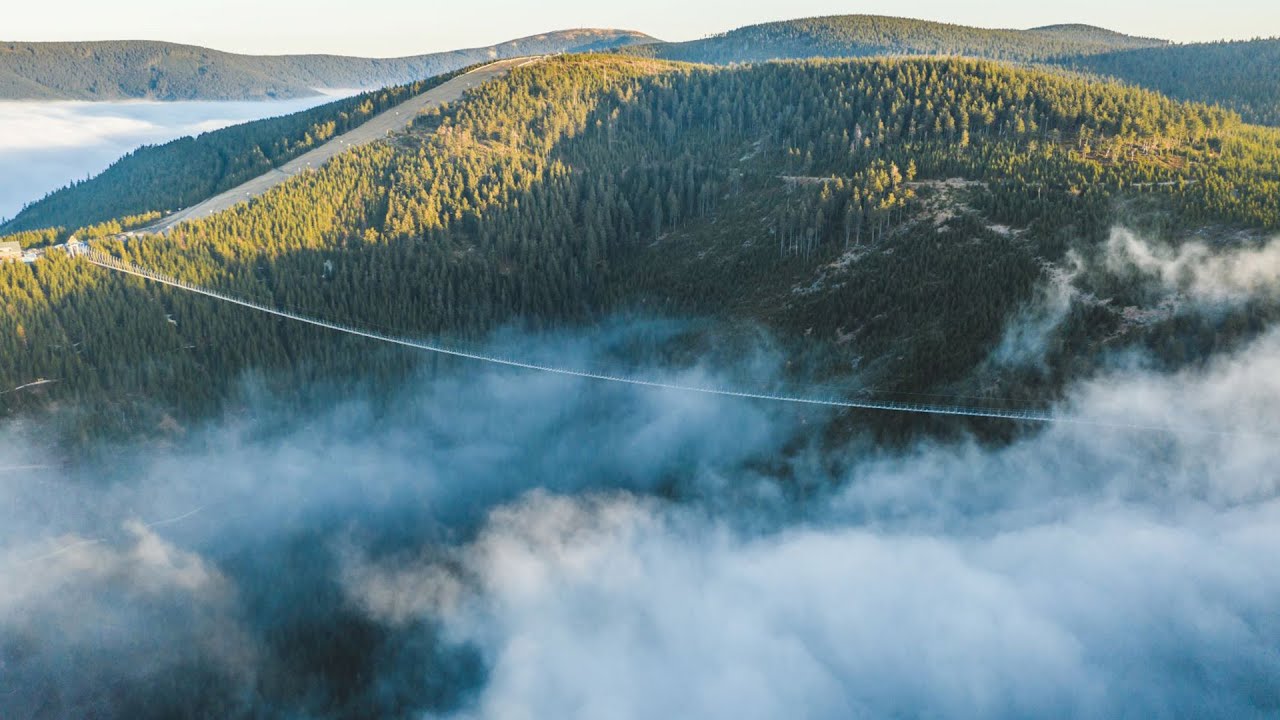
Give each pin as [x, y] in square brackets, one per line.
[109, 262]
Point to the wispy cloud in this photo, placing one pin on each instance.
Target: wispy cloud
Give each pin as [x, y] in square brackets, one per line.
[1030, 331]
[1202, 273]
[1077, 572]
[505, 544]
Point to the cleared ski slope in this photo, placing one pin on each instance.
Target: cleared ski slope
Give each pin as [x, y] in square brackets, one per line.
[375, 129]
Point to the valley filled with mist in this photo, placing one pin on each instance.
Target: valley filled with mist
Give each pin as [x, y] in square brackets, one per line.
[494, 541]
[58, 143]
[844, 367]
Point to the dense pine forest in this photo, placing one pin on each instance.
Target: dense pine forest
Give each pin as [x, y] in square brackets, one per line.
[874, 35]
[186, 171]
[882, 219]
[1238, 75]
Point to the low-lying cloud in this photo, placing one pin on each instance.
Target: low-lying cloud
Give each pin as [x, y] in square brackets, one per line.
[501, 544]
[1080, 572]
[1029, 332]
[1196, 270]
[624, 608]
[91, 626]
[239, 534]
[46, 145]
[1157, 280]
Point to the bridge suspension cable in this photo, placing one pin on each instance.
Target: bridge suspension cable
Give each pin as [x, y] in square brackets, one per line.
[109, 262]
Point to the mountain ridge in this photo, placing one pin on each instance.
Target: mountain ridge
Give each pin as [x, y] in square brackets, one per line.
[158, 70]
[868, 35]
[1242, 75]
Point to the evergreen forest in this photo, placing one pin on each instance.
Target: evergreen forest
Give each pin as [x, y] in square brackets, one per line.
[882, 220]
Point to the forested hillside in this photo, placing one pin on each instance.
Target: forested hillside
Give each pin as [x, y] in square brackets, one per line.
[889, 217]
[1243, 76]
[181, 173]
[873, 35]
[166, 71]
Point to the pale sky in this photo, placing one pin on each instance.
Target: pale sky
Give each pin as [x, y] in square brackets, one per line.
[406, 27]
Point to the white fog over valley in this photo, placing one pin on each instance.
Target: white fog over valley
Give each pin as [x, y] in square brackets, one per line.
[1074, 572]
[52, 144]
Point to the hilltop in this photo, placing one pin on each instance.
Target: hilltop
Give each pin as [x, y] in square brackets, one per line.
[873, 35]
[1242, 76]
[126, 70]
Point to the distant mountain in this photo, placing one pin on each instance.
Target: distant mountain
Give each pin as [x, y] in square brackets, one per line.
[123, 70]
[1243, 76]
[1092, 34]
[871, 35]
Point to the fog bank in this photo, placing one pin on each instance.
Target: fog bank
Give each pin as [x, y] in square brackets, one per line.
[46, 145]
[503, 544]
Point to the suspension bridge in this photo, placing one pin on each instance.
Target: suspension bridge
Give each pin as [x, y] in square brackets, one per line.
[114, 264]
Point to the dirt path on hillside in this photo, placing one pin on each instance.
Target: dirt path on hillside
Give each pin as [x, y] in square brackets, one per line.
[397, 118]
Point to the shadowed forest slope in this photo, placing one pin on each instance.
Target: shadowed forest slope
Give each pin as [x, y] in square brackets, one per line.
[1243, 76]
